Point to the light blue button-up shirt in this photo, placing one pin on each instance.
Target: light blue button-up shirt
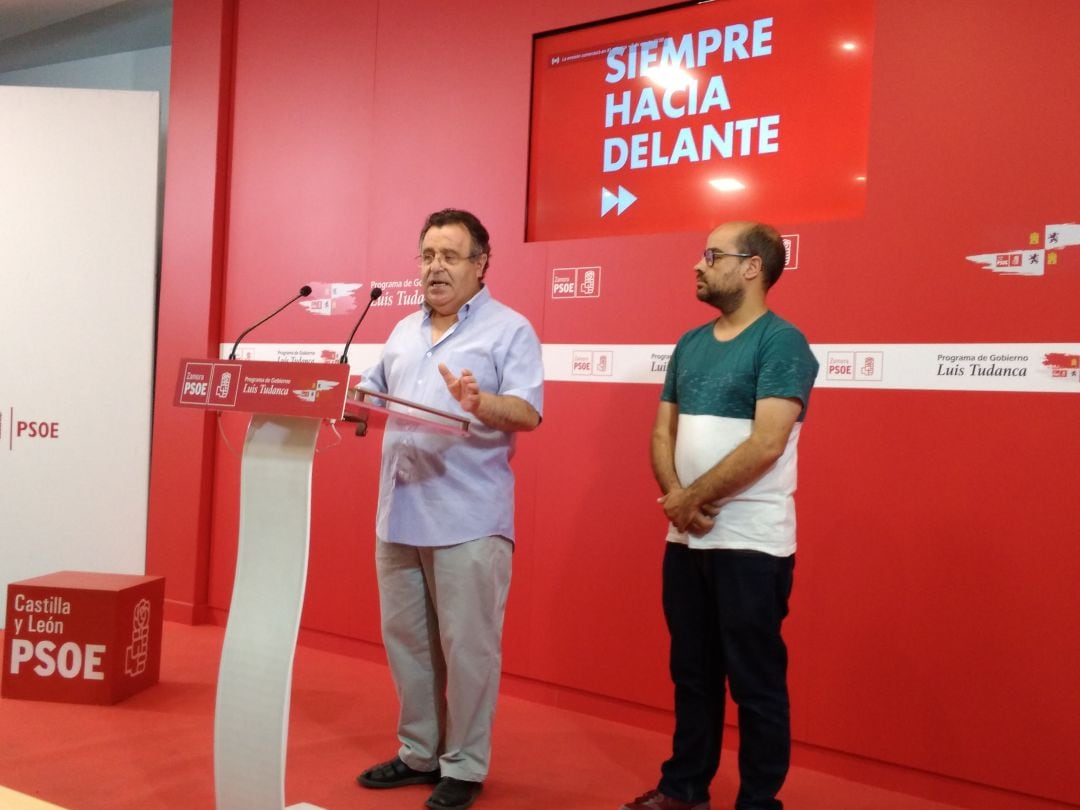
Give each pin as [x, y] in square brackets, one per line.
[438, 489]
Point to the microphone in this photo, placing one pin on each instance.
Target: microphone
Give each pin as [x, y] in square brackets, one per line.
[305, 291]
[375, 293]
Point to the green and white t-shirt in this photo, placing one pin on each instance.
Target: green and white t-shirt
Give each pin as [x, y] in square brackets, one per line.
[716, 386]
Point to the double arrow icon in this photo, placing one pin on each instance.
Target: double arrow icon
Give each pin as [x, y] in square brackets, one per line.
[608, 200]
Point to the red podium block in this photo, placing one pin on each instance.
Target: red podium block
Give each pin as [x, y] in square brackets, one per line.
[81, 637]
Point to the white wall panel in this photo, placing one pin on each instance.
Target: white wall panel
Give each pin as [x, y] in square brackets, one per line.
[78, 202]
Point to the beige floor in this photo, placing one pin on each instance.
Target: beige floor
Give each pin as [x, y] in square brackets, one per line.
[10, 800]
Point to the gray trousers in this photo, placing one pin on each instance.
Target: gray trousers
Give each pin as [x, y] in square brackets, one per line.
[442, 618]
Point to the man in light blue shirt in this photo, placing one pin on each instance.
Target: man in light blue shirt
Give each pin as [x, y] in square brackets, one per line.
[445, 524]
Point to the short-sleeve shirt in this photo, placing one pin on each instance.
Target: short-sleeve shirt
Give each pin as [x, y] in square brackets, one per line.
[716, 386]
[438, 489]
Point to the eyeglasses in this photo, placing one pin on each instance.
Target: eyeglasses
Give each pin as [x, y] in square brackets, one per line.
[712, 254]
[447, 258]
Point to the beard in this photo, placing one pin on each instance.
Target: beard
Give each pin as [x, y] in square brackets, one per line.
[727, 301]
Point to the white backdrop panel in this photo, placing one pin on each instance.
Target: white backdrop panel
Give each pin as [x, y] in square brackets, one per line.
[78, 208]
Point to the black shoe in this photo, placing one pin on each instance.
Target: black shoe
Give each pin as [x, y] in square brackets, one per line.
[396, 773]
[454, 794]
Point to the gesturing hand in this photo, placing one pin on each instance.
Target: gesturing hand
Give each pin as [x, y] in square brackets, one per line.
[465, 389]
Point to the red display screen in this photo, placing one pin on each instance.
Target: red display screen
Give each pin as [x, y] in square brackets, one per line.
[677, 119]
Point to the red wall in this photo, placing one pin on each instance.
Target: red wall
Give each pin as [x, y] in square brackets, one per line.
[933, 620]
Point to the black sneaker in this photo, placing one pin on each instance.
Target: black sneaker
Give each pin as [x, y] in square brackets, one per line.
[454, 794]
[396, 773]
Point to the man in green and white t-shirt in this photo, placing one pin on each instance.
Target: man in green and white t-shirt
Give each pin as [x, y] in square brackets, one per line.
[724, 455]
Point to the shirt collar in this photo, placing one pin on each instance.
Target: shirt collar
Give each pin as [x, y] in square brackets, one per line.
[475, 302]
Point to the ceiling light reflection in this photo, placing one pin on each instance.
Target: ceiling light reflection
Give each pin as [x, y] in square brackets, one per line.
[668, 77]
[726, 184]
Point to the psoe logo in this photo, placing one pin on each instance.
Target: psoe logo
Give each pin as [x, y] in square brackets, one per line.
[855, 366]
[588, 282]
[224, 385]
[195, 388]
[138, 651]
[791, 251]
[840, 366]
[592, 363]
[563, 282]
[14, 429]
[575, 282]
[870, 366]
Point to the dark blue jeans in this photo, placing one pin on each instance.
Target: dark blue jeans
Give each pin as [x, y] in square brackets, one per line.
[724, 609]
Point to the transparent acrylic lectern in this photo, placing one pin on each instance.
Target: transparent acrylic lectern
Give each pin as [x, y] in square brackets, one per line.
[288, 403]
